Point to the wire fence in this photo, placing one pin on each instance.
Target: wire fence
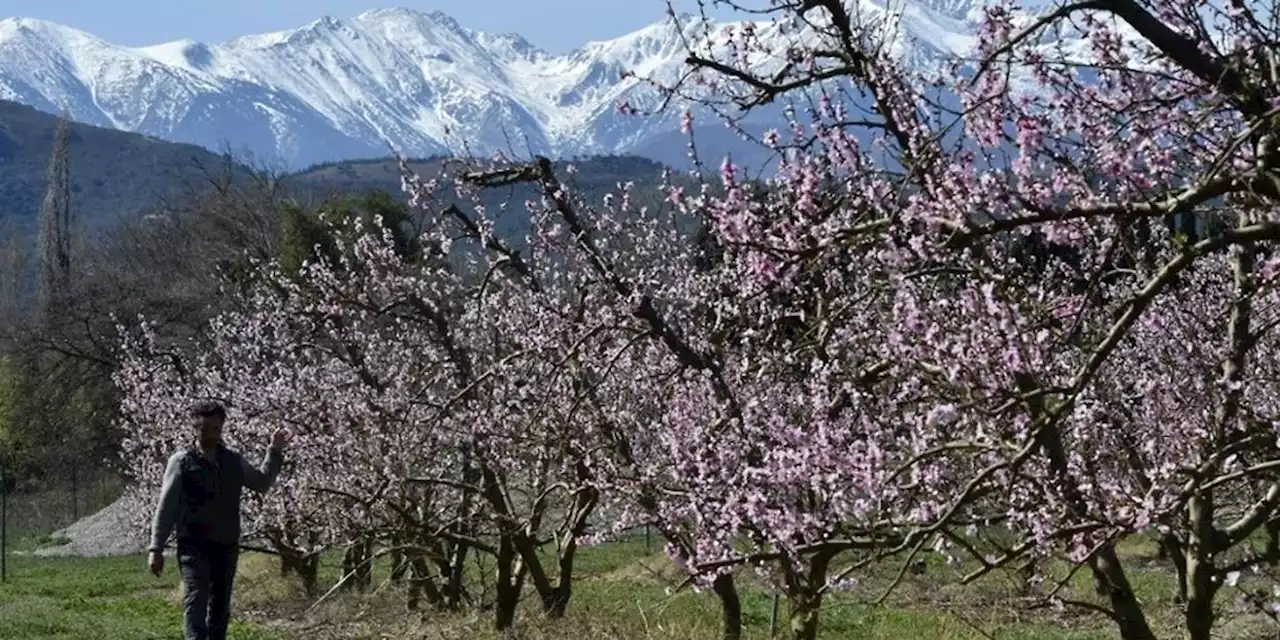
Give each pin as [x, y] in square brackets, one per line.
[33, 511]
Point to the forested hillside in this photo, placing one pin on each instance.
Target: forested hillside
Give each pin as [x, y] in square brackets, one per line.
[117, 175]
[114, 173]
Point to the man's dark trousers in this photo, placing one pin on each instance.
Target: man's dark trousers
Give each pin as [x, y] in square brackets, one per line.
[208, 570]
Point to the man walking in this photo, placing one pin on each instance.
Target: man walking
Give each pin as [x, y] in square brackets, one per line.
[200, 498]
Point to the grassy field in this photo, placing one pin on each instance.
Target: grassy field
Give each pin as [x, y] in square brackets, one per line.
[623, 592]
[80, 599]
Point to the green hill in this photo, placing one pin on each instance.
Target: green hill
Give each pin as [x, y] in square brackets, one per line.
[595, 174]
[118, 175]
[114, 173]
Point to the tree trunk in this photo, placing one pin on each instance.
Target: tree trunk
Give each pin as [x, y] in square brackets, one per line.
[1109, 575]
[361, 563]
[310, 574]
[1171, 549]
[399, 561]
[730, 606]
[1203, 544]
[555, 598]
[508, 587]
[454, 588]
[1200, 587]
[350, 560]
[288, 565]
[421, 583]
[452, 557]
[306, 567]
[399, 566]
[804, 594]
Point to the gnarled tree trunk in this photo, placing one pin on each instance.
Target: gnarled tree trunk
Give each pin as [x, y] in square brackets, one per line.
[730, 606]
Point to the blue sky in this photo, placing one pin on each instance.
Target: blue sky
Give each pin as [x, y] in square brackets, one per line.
[556, 25]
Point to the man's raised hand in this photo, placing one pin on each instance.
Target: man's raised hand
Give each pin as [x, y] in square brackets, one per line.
[279, 439]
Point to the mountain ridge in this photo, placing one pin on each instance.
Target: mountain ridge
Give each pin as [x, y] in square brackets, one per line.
[418, 82]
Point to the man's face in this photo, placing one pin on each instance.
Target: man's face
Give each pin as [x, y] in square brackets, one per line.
[208, 428]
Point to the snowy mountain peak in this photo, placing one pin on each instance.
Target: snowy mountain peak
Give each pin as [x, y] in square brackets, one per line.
[419, 81]
[328, 23]
[318, 29]
[31, 24]
[403, 21]
[43, 30]
[957, 9]
[398, 13]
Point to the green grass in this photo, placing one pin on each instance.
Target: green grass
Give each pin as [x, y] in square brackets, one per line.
[623, 590]
[98, 598]
[44, 541]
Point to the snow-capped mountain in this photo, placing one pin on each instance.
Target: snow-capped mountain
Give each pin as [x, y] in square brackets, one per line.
[419, 82]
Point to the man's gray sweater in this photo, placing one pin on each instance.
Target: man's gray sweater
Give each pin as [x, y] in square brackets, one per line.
[201, 498]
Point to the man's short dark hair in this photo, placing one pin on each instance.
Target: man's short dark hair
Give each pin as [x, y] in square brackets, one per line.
[207, 409]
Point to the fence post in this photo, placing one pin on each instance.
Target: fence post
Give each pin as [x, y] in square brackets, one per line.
[4, 526]
[773, 618]
[75, 492]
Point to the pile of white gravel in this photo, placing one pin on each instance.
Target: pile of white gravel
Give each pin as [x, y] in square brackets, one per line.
[105, 533]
